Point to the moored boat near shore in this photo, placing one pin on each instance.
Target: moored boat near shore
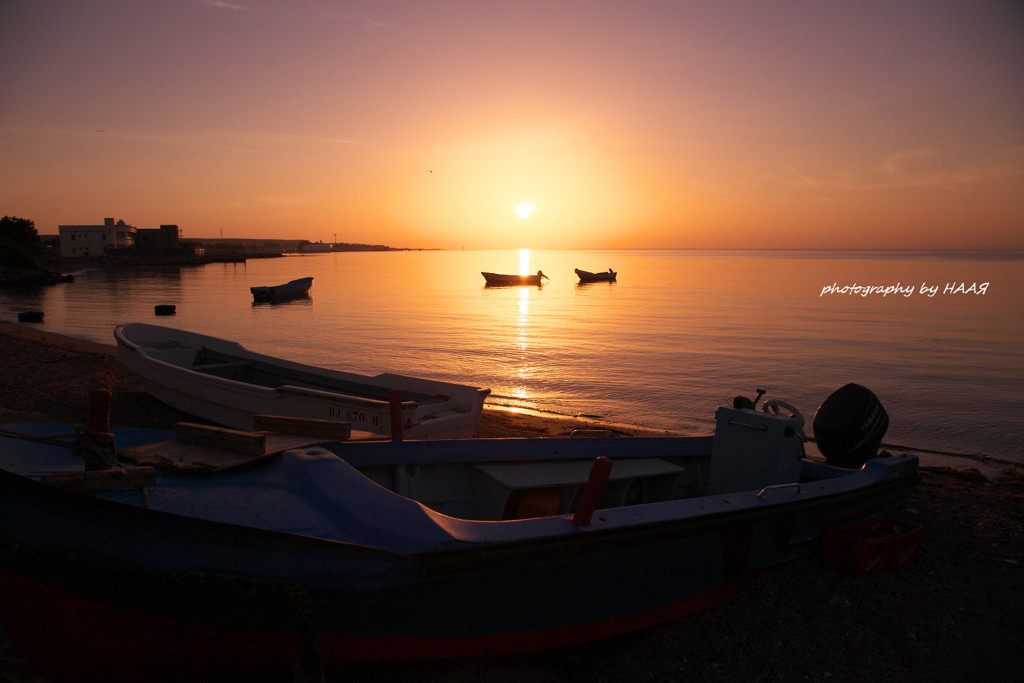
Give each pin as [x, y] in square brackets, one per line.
[288, 290]
[587, 276]
[355, 551]
[224, 382]
[504, 280]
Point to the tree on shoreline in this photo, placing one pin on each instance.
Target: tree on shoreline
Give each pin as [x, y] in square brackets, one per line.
[20, 245]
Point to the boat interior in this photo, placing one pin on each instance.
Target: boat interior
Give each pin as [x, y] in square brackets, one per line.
[503, 479]
[501, 487]
[262, 373]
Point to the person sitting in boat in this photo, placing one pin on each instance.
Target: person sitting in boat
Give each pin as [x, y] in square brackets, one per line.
[540, 273]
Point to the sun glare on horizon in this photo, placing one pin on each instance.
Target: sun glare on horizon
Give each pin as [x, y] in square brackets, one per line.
[524, 209]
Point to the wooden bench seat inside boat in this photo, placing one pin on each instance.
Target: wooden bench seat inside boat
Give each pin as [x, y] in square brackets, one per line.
[540, 489]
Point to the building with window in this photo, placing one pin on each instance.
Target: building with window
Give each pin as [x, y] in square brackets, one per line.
[88, 241]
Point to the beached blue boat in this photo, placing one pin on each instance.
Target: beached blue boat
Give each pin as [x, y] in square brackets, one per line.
[350, 551]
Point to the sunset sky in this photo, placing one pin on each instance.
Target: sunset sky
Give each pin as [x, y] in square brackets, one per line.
[439, 124]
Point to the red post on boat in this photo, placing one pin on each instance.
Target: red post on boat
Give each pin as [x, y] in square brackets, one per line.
[99, 423]
[395, 401]
[593, 491]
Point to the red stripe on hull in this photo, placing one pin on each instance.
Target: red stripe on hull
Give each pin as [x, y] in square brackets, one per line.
[67, 638]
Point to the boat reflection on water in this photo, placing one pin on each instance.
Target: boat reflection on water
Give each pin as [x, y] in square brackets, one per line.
[297, 300]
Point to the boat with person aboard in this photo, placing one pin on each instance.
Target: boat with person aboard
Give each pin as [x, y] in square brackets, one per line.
[587, 276]
[503, 280]
[339, 551]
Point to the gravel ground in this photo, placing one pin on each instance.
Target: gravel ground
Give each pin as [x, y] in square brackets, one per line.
[955, 615]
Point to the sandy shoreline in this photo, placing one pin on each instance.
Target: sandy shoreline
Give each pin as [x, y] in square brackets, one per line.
[954, 616]
[497, 422]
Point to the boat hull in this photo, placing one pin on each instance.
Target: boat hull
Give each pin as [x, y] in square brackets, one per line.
[102, 642]
[427, 409]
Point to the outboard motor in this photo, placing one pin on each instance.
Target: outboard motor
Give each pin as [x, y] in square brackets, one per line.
[849, 426]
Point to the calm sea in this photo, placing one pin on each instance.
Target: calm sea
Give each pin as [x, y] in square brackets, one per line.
[941, 341]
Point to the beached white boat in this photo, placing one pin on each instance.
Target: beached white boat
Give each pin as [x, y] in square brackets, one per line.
[287, 290]
[226, 383]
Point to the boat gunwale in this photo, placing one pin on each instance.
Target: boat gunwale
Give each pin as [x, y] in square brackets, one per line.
[460, 556]
[595, 538]
[470, 551]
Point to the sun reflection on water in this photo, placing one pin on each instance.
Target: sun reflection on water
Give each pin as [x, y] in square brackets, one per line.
[524, 368]
[524, 262]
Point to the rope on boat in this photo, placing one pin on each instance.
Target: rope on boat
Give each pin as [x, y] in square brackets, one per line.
[97, 449]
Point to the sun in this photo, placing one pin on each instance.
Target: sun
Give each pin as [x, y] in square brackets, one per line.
[524, 210]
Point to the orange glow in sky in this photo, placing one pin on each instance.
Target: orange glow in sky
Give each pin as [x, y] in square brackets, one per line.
[683, 123]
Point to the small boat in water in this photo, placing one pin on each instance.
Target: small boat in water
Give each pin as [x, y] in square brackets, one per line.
[502, 280]
[288, 290]
[226, 383]
[353, 551]
[587, 276]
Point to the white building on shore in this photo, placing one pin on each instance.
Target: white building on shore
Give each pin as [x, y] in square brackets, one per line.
[85, 241]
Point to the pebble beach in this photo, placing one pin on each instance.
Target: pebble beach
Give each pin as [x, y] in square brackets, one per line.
[955, 615]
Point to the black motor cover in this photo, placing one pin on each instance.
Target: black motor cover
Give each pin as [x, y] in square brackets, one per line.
[849, 426]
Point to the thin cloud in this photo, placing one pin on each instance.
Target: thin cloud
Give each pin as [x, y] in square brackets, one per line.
[920, 167]
[222, 4]
[260, 202]
[296, 9]
[932, 167]
[270, 143]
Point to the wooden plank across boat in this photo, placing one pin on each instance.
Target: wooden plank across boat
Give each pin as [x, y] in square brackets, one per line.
[206, 448]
